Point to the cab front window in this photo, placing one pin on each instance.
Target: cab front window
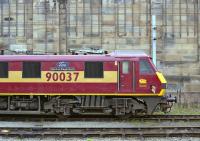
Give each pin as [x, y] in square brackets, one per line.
[145, 67]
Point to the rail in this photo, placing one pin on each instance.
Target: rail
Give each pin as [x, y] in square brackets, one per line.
[145, 126]
[99, 118]
[84, 132]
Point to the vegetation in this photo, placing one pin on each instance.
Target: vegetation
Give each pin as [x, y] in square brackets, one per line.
[185, 110]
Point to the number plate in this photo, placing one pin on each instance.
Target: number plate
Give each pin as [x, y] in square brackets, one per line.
[62, 76]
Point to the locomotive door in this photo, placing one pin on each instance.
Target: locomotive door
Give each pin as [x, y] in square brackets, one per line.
[125, 77]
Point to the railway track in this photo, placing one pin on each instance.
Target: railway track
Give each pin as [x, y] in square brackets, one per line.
[158, 118]
[169, 118]
[146, 126]
[103, 132]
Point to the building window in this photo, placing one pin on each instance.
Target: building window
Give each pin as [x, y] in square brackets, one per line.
[93, 70]
[3, 69]
[31, 70]
[145, 67]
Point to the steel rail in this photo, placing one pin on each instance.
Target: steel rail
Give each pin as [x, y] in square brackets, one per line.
[170, 118]
[84, 132]
[100, 118]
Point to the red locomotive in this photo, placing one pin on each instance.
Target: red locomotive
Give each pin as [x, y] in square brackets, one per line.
[119, 84]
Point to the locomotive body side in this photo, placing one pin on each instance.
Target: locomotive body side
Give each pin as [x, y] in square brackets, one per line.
[75, 84]
[63, 77]
[58, 82]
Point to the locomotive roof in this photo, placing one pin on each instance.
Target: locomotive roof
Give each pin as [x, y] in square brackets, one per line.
[128, 53]
[107, 57]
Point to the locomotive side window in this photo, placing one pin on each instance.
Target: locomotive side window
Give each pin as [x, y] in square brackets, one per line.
[31, 70]
[93, 70]
[145, 67]
[3, 69]
[125, 67]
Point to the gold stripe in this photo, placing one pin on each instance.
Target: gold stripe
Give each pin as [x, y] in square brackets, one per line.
[109, 77]
[97, 94]
[16, 76]
[161, 77]
[162, 80]
[162, 92]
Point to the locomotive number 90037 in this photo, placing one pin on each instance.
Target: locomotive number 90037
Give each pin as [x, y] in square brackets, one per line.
[122, 84]
[63, 76]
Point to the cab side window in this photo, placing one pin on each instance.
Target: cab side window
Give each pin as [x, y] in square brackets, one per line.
[93, 70]
[31, 70]
[145, 67]
[125, 67]
[3, 69]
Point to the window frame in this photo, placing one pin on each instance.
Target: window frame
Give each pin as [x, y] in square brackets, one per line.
[7, 69]
[32, 76]
[125, 69]
[100, 76]
[150, 67]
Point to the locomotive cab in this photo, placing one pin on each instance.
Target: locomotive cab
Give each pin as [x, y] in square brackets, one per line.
[138, 75]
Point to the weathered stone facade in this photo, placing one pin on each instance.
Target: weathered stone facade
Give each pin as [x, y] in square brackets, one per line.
[54, 26]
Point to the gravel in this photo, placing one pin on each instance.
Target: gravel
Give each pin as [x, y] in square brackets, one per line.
[100, 139]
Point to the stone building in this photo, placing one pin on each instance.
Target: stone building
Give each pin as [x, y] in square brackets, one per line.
[54, 26]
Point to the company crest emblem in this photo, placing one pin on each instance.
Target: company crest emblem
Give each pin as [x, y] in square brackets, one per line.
[61, 66]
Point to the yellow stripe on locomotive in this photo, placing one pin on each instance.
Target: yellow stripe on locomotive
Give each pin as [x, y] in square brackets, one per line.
[56, 76]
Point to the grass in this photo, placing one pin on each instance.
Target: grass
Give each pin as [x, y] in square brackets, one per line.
[182, 109]
[177, 109]
[185, 110]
